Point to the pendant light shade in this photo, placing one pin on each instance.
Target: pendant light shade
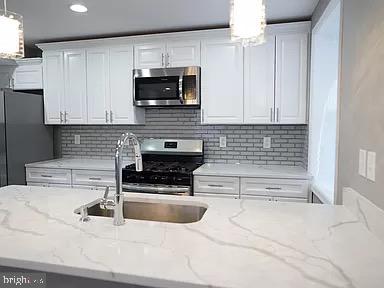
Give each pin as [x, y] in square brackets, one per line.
[248, 21]
[11, 34]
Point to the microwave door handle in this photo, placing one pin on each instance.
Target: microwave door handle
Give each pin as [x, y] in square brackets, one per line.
[181, 89]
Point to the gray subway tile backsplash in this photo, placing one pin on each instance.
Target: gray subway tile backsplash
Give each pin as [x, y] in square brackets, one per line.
[244, 142]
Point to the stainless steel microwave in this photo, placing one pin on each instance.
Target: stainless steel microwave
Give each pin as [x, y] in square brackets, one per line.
[167, 87]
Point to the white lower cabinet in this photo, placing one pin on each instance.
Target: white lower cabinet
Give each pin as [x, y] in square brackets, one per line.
[93, 178]
[274, 187]
[210, 185]
[58, 176]
[265, 189]
[71, 178]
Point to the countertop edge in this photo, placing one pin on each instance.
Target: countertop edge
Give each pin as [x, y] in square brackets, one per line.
[96, 274]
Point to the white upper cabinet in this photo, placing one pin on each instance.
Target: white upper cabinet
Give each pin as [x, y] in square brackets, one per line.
[53, 87]
[75, 87]
[183, 54]
[170, 54]
[291, 78]
[150, 56]
[122, 110]
[98, 91]
[28, 74]
[221, 82]
[259, 83]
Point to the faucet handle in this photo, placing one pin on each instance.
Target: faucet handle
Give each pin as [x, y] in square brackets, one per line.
[84, 214]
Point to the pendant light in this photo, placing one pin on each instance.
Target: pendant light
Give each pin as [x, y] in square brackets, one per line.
[248, 21]
[11, 34]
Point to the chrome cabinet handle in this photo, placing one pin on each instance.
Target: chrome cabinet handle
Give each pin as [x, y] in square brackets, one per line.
[61, 117]
[106, 116]
[95, 178]
[162, 60]
[181, 89]
[215, 185]
[46, 176]
[65, 116]
[111, 116]
[273, 188]
[271, 115]
[202, 116]
[277, 115]
[167, 60]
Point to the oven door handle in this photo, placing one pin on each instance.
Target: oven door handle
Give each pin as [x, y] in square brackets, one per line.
[156, 189]
[181, 89]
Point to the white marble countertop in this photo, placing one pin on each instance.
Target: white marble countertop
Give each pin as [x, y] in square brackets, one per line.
[237, 244]
[249, 170]
[77, 163]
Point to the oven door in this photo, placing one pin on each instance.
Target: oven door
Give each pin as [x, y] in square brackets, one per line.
[166, 87]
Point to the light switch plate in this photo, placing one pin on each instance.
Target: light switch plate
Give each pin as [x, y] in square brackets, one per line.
[363, 163]
[267, 143]
[371, 166]
[77, 139]
[223, 142]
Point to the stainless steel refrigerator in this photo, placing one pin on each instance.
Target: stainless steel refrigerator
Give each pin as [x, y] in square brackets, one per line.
[23, 136]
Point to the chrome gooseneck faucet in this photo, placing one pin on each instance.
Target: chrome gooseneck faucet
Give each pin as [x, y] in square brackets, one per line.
[118, 217]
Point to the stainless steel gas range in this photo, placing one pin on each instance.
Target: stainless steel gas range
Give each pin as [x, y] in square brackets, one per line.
[168, 166]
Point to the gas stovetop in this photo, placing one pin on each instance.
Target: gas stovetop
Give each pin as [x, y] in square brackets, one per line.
[168, 167]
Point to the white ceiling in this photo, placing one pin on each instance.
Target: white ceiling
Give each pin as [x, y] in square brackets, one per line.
[47, 20]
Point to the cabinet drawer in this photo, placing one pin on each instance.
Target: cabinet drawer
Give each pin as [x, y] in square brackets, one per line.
[52, 176]
[216, 185]
[93, 178]
[274, 187]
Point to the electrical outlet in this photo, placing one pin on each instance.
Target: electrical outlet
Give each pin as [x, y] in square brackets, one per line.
[363, 163]
[77, 139]
[223, 142]
[267, 143]
[371, 166]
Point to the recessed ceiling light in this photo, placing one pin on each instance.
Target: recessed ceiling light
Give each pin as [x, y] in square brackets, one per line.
[79, 8]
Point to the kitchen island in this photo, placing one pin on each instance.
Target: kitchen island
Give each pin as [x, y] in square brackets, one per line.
[238, 244]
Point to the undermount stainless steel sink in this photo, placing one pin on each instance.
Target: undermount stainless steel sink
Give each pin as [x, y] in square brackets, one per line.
[153, 210]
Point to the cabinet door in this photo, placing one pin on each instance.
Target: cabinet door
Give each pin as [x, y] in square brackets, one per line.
[75, 87]
[53, 87]
[28, 75]
[98, 86]
[121, 88]
[222, 82]
[259, 83]
[274, 187]
[216, 185]
[182, 54]
[291, 78]
[150, 56]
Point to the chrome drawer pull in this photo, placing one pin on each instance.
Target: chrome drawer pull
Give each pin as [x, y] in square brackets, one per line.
[94, 178]
[46, 176]
[274, 188]
[215, 185]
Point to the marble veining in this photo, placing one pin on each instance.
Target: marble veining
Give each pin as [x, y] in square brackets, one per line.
[371, 216]
[237, 244]
[250, 170]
